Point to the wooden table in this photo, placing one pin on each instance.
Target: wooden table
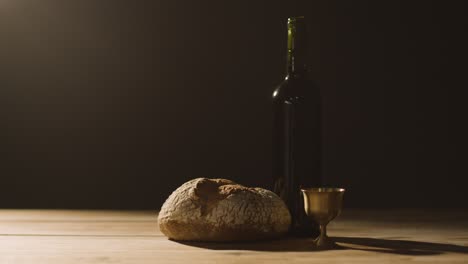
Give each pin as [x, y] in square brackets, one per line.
[386, 236]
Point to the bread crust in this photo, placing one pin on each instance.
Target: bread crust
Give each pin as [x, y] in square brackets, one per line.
[221, 210]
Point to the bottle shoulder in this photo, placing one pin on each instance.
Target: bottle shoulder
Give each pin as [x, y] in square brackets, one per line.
[294, 87]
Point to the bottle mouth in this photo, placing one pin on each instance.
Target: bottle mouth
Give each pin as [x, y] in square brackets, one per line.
[294, 19]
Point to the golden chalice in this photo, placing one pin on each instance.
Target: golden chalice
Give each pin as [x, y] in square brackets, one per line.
[322, 205]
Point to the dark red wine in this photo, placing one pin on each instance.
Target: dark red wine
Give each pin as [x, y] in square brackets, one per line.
[296, 132]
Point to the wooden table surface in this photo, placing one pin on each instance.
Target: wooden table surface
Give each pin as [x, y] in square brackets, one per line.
[385, 236]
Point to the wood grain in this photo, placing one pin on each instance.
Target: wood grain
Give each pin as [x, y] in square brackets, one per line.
[391, 236]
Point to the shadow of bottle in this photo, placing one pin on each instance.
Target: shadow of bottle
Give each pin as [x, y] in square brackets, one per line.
[389, 246]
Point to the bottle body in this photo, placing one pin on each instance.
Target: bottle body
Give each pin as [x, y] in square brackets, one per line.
[296, 139]
[296, 147]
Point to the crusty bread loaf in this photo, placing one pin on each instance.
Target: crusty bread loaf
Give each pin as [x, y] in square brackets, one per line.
[221, 210]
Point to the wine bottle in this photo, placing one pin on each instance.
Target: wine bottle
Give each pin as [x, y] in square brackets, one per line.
[296, 131]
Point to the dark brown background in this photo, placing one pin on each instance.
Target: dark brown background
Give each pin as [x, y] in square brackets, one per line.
[113, 104]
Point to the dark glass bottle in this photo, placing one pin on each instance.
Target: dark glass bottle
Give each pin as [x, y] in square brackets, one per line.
[297, 132]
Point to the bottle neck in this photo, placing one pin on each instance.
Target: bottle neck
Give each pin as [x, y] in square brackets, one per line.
[297, 46]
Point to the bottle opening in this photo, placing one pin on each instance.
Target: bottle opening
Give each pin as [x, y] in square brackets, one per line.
[297, 18]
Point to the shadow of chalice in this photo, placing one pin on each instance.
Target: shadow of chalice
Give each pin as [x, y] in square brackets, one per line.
[322, 205]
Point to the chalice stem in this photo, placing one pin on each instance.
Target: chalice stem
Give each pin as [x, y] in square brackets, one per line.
[323, 241]
[323, 232]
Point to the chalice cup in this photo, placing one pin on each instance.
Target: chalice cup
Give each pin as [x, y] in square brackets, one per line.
[322, 205]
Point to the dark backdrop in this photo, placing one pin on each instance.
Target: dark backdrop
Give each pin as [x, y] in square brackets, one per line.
[113, 104]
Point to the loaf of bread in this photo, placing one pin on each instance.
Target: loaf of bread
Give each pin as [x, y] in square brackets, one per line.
[221, 210]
